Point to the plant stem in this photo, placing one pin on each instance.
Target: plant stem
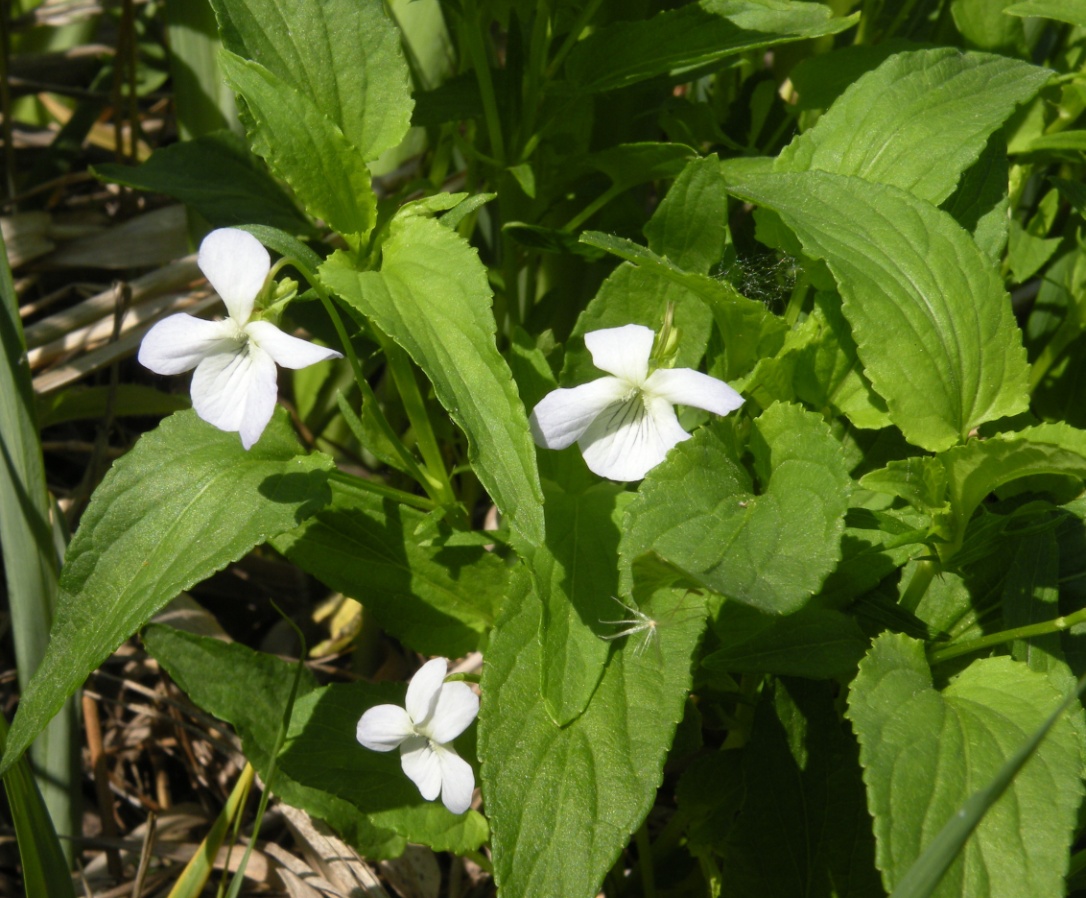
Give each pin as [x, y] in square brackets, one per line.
[1056, 625]
[644, 860]
[918, 585]
[481, 63]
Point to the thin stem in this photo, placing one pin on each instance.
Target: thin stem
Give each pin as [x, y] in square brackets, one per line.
[571, 39]
[644, 860]
[918, 585]
[383, 490]
[399, 363]
[1056, 625]
[481, 63]
[592, 208]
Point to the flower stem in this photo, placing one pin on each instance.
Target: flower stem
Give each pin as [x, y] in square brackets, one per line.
[473, 28]
[1056, 625]
[918, 585]
[644, 860]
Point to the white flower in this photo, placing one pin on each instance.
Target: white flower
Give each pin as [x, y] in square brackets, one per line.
[625, 424]
[437, 712]
[234, 386]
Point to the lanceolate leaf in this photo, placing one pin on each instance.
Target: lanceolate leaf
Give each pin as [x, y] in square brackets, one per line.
[917, 121]
[563, 801]
[343, 56]
[967, 732]
[932, 323]
[695, 35]
[304, 146]
[771, 547]
[181, 505]
[431, 296]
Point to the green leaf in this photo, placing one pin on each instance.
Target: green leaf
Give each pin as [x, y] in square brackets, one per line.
[91, 403]
[698, 34]
[932, 323]
[305, 147]
[185, 502]
[563, 801]
[980, 202]
[218, 177]
[344, 57]
[432, 297]
[31, 569]
[1070, 11]
[770, 548]
[438, 601]
[802, 828]
[952, 485]
[917, 121]
[249, 690]
[967, 733]
[576, 575]
[749, 329]
[983, 27]
[814, 642]
[690, 226]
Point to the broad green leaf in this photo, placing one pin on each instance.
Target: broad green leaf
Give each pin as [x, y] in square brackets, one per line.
[431, 296]
[185, 502]
[698, 34]
[305, 147]
[980, 202]
[917, 121]
[802, 828]
[750, 330]
[217, 176]
[1070, 11]
[1030, 246]
[814, 642]
[965, 734]
[438, 601]
[563, 801]
[690, 226]
[576, 575]
[250, 690]
[952, 485]
[932, 323]
[343, 56]
[818, 365]
[769, 547]
[91, 403]
[982, 26]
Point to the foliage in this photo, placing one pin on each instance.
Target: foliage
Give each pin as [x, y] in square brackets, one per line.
[821, 626]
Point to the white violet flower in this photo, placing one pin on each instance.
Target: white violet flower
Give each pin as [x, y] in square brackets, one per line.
[625, 424]
[234, 386]
[437, 712]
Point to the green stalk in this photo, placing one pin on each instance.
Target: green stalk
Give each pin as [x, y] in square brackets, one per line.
[1044, 628]
[918, 585]
[473, 42]
[31, 562]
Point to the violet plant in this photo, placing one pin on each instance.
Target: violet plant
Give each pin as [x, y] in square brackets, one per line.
[844, 238]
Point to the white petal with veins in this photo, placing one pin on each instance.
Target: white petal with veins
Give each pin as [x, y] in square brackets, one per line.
[180, 342]
[236, 263]
[420, 763]
[236, 391]
[288, 351]
[629, 440]
[384, 727]
[683, 386]
[622, 351]
[560, 417]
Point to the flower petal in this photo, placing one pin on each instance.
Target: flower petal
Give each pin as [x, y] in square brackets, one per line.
[236, 391]
[457, 706]
[384, 727]
[457, 779]
[622, 351]
[181, 342]
[684, 386]
[630, 439]
[420, 763]
[423, 690]
[236, 263]
[561, 416]
[288, 351]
